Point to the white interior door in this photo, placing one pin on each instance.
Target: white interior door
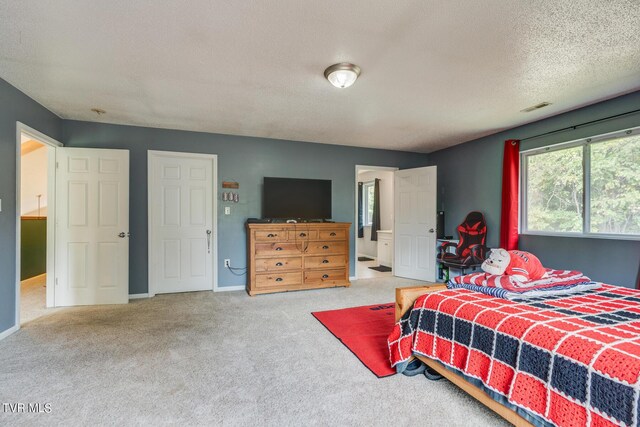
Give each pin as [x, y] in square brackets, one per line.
[415, 223]
[92, 226]
[181, 241]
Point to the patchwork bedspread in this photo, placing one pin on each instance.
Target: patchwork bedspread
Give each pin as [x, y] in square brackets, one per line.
[573, 360]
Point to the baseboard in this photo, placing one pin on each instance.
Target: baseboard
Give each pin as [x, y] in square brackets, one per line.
[8, 332]
[352, 278]
[138, 296]
[229, 288]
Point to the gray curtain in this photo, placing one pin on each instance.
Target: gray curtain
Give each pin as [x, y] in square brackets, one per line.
[375, 221]
[360, 211]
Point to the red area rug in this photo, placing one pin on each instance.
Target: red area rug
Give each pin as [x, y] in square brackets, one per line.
[364, 330]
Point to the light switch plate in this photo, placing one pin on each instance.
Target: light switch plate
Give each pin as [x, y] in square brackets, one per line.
[227, 210]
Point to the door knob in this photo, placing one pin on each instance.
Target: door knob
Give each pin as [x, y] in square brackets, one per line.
[122, 235]
[431, 230]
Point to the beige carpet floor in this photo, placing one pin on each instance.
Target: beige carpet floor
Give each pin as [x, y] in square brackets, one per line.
[216, 359]
[33, 299]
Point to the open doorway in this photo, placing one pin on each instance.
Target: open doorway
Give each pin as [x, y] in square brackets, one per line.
[374, 221]
[35, 187]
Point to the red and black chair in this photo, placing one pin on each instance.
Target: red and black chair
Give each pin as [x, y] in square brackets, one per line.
[470, 251]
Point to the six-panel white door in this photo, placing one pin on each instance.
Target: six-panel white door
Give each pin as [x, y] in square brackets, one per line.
[415, 223]
[181, 243]
[92, 226]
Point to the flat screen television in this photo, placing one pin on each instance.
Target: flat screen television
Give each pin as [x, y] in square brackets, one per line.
[293, 198]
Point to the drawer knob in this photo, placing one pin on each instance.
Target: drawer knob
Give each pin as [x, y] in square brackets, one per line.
[325, 261]
[325, 276]
[303, 234]
[271, 235]
[325, 247]
[278, 248]
[332, 234]
[278, 264]
[278, 279]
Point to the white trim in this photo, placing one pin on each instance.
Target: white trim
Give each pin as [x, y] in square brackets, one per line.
[9, 331]
[585, 143]
[214, 221]
[355, 224]
[580, 141]
[352, 278]
[583, 235]
[51, 145]
[138, 296]
[230, 288]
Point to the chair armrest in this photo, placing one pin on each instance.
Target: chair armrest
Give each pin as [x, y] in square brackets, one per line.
[442, 249]
[405, 297]
[479, 251]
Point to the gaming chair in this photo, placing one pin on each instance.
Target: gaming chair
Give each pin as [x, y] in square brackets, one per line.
[470, 251]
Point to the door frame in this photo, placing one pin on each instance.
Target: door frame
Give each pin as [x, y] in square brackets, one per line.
[151, 154]
[360, 168]
[51, 145]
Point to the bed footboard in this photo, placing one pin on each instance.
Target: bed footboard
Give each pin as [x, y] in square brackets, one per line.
[405, 297]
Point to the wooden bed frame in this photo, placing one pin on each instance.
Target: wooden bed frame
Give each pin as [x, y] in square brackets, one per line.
[405, 297]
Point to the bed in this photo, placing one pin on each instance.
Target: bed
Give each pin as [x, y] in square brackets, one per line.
[576, 359]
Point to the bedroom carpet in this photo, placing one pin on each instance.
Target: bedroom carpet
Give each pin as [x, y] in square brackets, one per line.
[216, 359]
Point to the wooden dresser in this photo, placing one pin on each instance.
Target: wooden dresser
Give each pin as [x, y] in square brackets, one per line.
[292, 257]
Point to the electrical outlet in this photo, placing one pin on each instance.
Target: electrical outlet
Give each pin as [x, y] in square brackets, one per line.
[227, 210]
[227, 263]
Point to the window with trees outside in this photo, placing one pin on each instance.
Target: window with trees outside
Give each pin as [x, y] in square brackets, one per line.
[367, 202]
[588, 188]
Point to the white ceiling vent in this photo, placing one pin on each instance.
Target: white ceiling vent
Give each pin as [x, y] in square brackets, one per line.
[536, 107]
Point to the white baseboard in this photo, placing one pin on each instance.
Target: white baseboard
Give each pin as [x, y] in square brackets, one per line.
[229, 288]
[8, 332]
[352, 278]
[138, 296]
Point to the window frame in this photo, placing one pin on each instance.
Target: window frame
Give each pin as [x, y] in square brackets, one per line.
[366, 221]
[586, 182]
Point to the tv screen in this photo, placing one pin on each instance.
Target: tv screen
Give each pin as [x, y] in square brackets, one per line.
[297, 198]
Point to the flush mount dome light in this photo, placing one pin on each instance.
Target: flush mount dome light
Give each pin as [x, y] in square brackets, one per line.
[342, 75]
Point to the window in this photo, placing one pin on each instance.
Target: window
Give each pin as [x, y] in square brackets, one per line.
[367, 202]
[587, 187]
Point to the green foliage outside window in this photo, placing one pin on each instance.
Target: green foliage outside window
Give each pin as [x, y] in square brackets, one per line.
[555, 188]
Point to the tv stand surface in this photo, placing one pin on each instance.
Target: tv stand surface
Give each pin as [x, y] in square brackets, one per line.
[290, 257]
[291, 221]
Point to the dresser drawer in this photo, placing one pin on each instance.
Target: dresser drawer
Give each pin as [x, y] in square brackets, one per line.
[329, 261]
[276, 280]
[278, 249]
[326, 248]
[303, 235]
[278, 264]
[325, 276]
[270, 235]
[337, 234]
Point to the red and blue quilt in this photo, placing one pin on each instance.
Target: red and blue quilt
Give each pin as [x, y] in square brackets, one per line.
[572, 360]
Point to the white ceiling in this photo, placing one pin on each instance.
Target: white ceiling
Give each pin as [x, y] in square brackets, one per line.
[434, 73]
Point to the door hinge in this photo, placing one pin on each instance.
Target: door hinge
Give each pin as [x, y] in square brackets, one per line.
[57, 165]
[56, 281]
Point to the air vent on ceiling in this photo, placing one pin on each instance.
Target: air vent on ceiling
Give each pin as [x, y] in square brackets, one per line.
[536, 107]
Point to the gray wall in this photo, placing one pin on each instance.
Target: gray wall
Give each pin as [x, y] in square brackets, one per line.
[14, 106]
[242, 159]
[470, 178]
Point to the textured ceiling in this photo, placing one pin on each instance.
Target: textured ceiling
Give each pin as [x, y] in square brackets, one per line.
[434, 73]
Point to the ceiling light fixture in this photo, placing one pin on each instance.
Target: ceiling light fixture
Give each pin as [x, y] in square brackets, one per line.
[342, 75]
